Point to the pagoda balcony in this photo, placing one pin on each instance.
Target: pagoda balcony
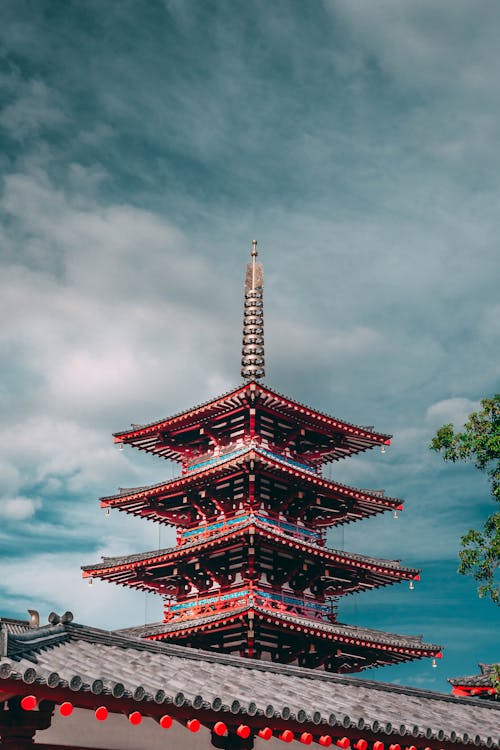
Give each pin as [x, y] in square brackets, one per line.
[247, 597]
[228, 523]
[213, 457]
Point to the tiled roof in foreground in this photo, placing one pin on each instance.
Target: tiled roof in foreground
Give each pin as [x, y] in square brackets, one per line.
[160, 677]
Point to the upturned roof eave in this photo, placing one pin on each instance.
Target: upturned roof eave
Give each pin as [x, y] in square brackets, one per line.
[184, 416]
[407, 646]
[390, 503]
[331, 556]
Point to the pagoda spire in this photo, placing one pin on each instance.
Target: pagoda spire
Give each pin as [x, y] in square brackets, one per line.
[252, 354]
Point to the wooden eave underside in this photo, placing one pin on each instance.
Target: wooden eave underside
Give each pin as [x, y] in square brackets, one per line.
[150, 437]
[346, 572]
[282, 634]
[328, 503]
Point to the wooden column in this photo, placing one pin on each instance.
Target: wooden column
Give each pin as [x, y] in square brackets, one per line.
[232, 742]
[18, 727]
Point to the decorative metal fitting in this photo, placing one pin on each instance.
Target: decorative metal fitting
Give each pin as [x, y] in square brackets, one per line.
[252, 353]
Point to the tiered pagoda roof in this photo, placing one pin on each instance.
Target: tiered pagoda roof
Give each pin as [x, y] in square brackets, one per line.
[279, 419]
[335, 646]
[335, 572]
[216, 484]
[251, 573]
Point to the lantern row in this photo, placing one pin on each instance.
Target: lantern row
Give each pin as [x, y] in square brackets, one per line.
[30, 702]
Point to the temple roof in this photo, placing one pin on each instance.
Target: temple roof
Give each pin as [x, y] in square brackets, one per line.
[404, 646]
[483, 679]
[67, 661]
[483, 685]
[122, 569]
[359, 503]
[150, 436]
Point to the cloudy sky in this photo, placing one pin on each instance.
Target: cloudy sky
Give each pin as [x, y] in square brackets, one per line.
[143, 146]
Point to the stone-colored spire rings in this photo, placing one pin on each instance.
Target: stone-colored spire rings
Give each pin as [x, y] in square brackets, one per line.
[252, 355]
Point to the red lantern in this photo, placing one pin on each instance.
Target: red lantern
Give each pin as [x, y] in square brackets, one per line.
[378, 745]
[243, 731]
[344, 743]
[101, 713]
[363, 744]
[135, 718]
[306, 738]
[395, 747]
[166, 721]
[286, 735]
[325, 740]
[220, 728]
[412, 747]
[28, 702]
[265, 733]
[193, 725]
[66, 708]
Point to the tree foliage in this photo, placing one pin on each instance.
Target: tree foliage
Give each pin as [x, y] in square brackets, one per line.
[479, 444]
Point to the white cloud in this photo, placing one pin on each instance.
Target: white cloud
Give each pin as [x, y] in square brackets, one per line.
[60, 587]
[455, 410]
[102, 322]
[18, 508]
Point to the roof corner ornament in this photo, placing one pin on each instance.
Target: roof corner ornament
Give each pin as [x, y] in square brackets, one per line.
[65, 619]
[34, 618]
[252, 353]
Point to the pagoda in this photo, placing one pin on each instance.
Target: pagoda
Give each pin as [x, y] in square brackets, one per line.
[251, 572]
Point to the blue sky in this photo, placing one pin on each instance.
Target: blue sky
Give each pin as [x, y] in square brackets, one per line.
[143, 147]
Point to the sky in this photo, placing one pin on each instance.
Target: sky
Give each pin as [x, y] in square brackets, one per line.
[143, 145]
